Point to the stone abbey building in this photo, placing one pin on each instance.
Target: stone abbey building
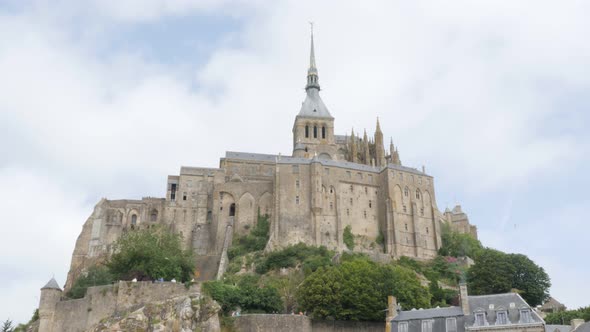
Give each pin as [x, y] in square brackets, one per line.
[328, 183]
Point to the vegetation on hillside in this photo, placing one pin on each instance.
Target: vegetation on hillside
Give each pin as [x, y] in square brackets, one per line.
[565, 317]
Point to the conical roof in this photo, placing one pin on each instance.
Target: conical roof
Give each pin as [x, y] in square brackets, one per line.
[52, 284]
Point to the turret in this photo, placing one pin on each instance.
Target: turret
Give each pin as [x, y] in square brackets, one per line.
[366, 151]
[50, 295]
[353, 149]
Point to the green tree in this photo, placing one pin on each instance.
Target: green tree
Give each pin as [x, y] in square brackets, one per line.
[96, 276]
[357, 289]
[564, 317]
[7, 326]
[348, 237]
[151, 254]
[457, 245]
[245, 292]
[497, 272]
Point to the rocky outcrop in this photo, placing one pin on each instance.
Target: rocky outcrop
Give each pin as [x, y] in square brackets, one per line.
[179, 314]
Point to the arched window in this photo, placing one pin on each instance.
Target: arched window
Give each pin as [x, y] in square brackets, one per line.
[306, 131]
[315, 131]
[406, 191]
[154, 215]
[324, 132]
[417, 194]
[133, 220]
[232, 210]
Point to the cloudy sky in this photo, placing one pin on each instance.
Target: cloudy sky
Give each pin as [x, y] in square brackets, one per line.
[105, 98]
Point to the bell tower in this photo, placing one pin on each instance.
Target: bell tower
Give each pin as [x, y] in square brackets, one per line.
[313, 130]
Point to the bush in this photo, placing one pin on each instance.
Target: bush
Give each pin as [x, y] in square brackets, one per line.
[255, 241]
[348, 237]
[458, 245]
[310, 257]
[150, 254]
[246, 293]
[564, 317]
[96, 276]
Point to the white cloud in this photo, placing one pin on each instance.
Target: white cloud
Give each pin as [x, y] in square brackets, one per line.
[461, 86]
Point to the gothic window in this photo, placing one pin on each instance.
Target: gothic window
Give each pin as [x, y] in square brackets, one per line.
[406, 192]
[324, 132]
[133, 220]
[331, 190]
[173, 191]
[154, 216]
[296, 199]
[306, 131]
[370, 204]
[232, 210]
[315, 131]
[417, 194]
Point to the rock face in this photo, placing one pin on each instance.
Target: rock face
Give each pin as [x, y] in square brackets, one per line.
[180, 314]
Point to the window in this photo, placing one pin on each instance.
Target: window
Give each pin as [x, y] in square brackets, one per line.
[427, 230]
[331, 190]
[315, 131]
[417, 194]
[370, 204]
[173, 191]
[422, 211]
[297, 184]
[351, 201]
[323, 132]
[209, 215]
[154, 216]
[501, 318]
[480, 319]
[347, 212]
[184, 196]
[525, 316]
[232, 210]
[366, 190]
[451, 324]
[133, 220]
[406, 191]
[306, 131]
[406, 226]
[405, 209]
[427, 325]
[402, 327]
[296, 199]
[351, 188]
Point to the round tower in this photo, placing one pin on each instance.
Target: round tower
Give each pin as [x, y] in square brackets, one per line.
[50, 295]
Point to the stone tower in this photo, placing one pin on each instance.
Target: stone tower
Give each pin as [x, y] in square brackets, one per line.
[379, 150]
[353, 150]
[366, 150]
[50, 295]
[394, 154]
[313, 131]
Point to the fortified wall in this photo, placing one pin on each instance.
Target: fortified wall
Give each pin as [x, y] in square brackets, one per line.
[108, 308]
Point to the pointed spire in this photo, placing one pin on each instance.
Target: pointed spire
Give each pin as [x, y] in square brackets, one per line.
[312, 71]
[378, 130]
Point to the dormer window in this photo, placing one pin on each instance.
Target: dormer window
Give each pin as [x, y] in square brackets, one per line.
[427, 325]
[402, 327]
[480, 319]
[525, 316]
[501, 317]
[451, 324]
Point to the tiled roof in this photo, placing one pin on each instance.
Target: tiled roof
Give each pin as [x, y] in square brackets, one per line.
[428, 313]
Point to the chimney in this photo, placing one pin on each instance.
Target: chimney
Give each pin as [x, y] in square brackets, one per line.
[576, 323]
[391, 307]
[464, 296]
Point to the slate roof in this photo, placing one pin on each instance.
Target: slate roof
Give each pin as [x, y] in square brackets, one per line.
[511, 302]
[428, 313]
[313, 106]
[52, 284]
[583, 328]
[558, 328]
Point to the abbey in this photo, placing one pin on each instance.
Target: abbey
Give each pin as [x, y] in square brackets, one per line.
[329, 183]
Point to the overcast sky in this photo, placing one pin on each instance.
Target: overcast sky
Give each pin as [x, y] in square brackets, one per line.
[106, 98]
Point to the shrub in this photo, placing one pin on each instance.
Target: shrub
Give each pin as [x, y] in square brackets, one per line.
[244, 292]
[309, 256]
[348, 237]
[97, 275]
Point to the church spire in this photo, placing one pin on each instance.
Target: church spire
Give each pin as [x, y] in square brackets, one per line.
[312, 72]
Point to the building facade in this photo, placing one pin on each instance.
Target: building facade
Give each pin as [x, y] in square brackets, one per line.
[328, 183]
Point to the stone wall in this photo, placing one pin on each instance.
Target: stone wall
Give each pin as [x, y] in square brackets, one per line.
[103, 301]
[289, 323]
